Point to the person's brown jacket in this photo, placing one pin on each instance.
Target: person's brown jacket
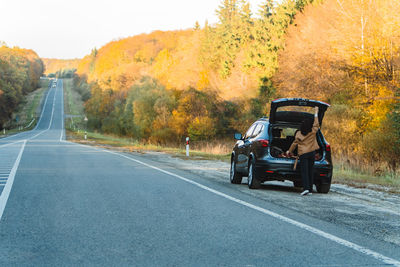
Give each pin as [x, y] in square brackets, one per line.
[306, 143]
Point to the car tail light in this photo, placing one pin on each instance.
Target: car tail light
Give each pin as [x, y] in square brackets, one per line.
[264, 143]
[322, 174]
[328, 147]
[269, 171]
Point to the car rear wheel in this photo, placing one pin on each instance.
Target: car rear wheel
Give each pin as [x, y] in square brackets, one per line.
[323, 188]
[253, 181]
[234, 177]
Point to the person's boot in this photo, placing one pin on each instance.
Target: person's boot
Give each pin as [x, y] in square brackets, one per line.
[305, 193]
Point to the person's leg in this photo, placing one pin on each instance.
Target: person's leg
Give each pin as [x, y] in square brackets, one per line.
[304, 171]
[310, 166]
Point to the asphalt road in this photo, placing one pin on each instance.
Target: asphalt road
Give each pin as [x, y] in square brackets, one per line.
[67, 204]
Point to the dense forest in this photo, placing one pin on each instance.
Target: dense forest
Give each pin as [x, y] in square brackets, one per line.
[229, 64]
[20, 71]
[212, 80]
[54, 65]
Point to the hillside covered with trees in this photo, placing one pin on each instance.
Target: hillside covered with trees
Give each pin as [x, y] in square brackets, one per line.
[20, 71]
[54, 65]
[231, 63]
[212, 80]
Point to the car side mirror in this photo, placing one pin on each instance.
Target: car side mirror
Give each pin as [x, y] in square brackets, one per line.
[238, 136]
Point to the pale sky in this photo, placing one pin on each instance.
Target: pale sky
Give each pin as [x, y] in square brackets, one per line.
[71, 28]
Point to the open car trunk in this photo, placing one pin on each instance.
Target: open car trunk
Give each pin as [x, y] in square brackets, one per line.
[286, 116]
[295, 110]
[282, 136]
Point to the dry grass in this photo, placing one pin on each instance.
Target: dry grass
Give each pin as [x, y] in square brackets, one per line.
[214, 147]
[128, 144]
[357, 172]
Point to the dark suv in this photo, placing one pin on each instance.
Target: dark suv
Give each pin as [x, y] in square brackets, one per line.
[260, 153]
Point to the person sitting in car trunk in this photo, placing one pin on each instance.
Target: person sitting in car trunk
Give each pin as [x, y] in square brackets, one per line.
[306, 143]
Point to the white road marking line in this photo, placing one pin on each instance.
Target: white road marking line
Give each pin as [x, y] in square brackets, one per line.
[303, 226]
[51, 118]
[9, 144]
[7, 188]
[44, 107]
[10, 180]
[41, 115]
[62, 110]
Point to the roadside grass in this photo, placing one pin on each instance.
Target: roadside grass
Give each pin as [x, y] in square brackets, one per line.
[28, 111]
[351, 176]
[74, 103]
[73, 107]
[128, 144]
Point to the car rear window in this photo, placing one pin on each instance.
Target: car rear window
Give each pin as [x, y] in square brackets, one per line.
[297, 109]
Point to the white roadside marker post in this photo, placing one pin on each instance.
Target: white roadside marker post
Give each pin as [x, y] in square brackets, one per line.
[187, 146]
[4, 131]
[86, 120]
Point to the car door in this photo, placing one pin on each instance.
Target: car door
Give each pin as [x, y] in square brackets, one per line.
[243, 149]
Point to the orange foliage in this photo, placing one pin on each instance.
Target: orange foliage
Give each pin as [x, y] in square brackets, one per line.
[346, 52]
[52, 65]
[172, 57]
[130, 57]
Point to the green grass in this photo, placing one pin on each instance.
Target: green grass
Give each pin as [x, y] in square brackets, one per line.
[73, 107]
[74, 103]
[28, 110]
[33, 107]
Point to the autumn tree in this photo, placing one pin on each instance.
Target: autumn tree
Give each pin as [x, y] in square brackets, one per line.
[347, 53]
[20, 71]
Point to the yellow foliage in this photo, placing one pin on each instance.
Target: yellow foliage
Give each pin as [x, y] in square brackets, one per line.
[171, 57]
[53, 65]
[179, 122]
[203, 81]
[161, 68]
[378, 110]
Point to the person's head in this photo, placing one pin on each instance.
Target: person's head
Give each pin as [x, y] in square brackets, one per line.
[306, 126]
